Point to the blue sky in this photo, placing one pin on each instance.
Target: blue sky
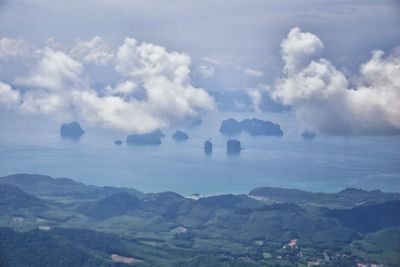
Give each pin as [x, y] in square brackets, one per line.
[211, 45]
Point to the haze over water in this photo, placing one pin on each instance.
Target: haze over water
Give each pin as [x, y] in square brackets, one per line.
[325, 164]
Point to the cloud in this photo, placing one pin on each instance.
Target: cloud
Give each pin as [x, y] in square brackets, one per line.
[47, 86]
[206, 66]
[54, 44]
[253, 72]
[8, 97]
[55, 70]
[156, 91]
[299, 48]
[94, 51]
[148, 60]
[256, 98]
[322, 96]
[13, 48]
[125, 88]
[205, 70]
[116, 112]
[165, 77]
[260, 100]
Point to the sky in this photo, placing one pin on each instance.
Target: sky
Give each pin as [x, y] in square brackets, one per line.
[143, 65]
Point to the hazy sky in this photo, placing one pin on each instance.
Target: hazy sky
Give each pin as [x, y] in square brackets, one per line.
[140, 65]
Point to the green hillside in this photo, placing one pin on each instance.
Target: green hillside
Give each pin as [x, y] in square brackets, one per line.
[269, 227]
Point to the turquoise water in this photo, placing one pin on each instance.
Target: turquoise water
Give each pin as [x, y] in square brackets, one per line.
[324, 164]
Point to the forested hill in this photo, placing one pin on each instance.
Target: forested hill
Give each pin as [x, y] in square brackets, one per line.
[46, 220]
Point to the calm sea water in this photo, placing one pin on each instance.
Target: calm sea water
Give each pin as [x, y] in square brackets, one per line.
[325, 164]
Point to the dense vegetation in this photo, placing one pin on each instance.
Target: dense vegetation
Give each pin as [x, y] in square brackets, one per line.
[11, 197]
[370, 218]
[47, 221]
[39, 248]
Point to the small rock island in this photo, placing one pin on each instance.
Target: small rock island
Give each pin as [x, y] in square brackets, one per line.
[230, 127]
[152, 138]
[258, 127]
[118, 142]
[308, 135]
[208, 147]
[71, 130]
[254, 127]
[180, 136]
[233, 146]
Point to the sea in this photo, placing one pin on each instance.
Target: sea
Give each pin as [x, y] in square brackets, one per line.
[324, 164]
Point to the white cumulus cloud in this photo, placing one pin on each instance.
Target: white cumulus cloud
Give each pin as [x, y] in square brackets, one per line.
[156, 91]
[125, 88]
[55, 70]
[322, 96]
[94, 51]
[298, 48]
[165, 78]
[13, 48]
[8, 97]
